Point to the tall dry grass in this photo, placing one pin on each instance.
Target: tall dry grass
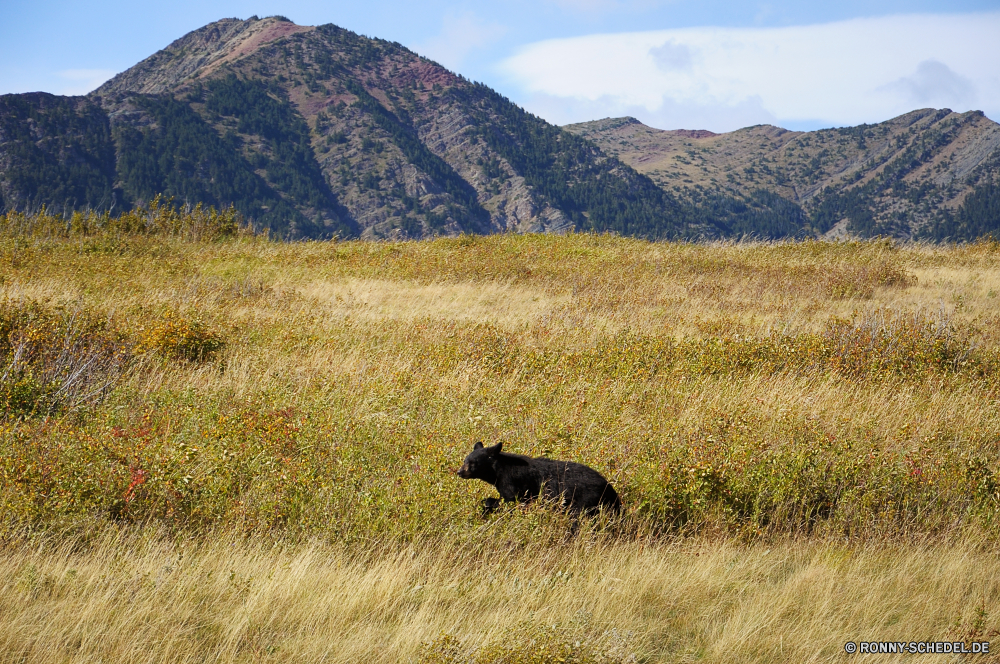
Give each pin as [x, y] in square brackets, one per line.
[140, 597]
[804, 436]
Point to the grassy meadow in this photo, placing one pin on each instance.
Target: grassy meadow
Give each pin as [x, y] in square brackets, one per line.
[215, 447]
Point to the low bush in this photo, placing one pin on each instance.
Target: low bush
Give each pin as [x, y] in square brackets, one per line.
[871, 345]
[160, 217]
[56, 358]
[176, 337]
[344, 417]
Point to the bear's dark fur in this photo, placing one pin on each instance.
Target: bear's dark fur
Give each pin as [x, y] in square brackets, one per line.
[522, 479]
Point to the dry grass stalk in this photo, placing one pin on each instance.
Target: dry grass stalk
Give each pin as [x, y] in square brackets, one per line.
[834, 405]
[137, 597]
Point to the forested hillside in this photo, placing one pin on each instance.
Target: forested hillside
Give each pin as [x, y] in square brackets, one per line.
[55, 151]
[316, 132]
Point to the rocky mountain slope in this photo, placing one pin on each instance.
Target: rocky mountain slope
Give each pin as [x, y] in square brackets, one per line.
[927, 174]
[316, 131]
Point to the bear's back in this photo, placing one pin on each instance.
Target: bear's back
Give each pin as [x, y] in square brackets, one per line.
[578, 484]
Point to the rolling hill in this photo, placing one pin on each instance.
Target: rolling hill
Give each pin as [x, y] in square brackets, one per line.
[928, 174]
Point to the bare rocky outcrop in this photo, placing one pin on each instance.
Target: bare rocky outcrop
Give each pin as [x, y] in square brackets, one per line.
[197, 55]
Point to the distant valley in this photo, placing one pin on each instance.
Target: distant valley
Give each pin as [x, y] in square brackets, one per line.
[317, 132]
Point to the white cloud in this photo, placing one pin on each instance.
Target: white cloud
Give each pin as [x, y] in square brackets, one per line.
[82, 81]
[460, 35]
[670, 56]
[848, 72]
[934, 82]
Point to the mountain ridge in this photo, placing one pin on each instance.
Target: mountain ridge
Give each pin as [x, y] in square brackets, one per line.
[907, 177]
[211, 46]
[316, 132]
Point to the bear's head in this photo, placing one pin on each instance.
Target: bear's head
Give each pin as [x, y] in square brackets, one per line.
[481, 463]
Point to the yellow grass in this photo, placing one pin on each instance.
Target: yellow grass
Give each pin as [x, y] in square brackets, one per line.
[141, 598]
[499, 304]
[392, 358]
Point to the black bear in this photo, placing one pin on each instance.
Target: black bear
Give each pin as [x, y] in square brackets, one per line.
[520, 478]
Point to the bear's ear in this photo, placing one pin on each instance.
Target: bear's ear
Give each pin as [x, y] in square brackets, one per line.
[478, 445]
[495, 450]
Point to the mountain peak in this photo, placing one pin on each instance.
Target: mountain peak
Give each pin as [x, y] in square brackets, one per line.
[199, 53]
[630, 124]
[603, 125]
[319, 132]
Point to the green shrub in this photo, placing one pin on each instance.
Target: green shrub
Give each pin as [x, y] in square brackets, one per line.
[174, 336]
[56, 358]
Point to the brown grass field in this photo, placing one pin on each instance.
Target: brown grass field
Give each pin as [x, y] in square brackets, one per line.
[215, 447]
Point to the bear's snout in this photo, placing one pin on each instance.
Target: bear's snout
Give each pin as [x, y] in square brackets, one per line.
[463, 472]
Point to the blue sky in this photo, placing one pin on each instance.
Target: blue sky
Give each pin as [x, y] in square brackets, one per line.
[711, 64]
